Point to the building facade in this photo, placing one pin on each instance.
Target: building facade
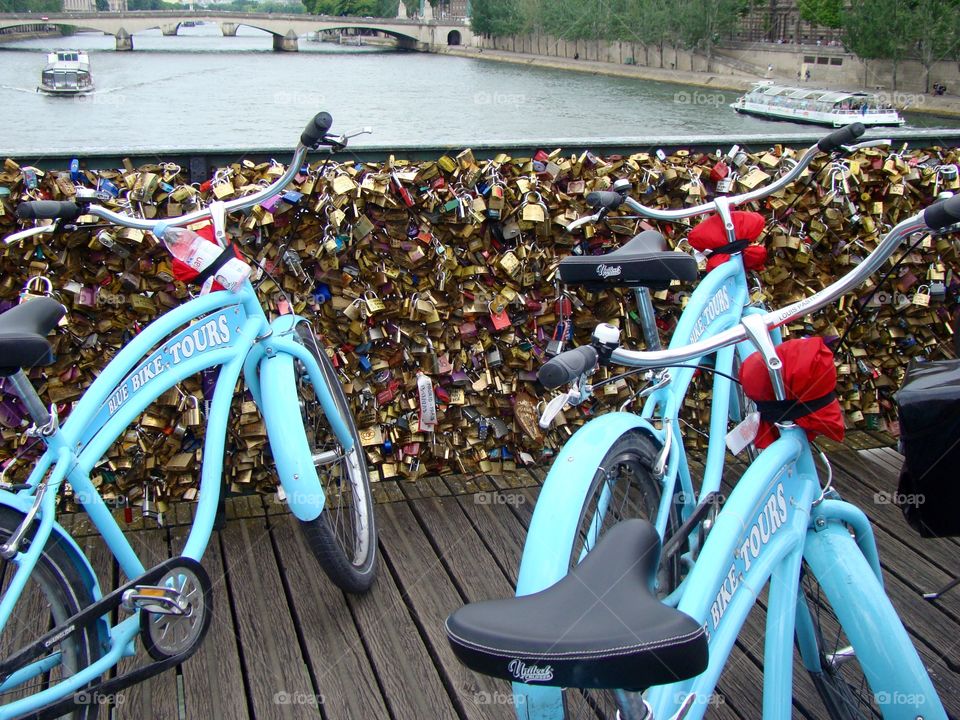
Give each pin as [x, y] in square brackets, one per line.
[779, 21]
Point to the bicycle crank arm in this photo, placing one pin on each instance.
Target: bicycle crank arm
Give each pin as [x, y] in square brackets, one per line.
[107, 688]
[91, 613]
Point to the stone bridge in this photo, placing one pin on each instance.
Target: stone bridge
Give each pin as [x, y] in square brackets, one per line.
[413, 34]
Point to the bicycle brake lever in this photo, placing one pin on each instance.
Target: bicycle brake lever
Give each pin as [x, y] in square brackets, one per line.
[587, 219]
[557, 404]
[879, 142]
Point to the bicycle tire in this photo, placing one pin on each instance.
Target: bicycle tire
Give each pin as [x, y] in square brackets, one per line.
[841, 684]
[56, 583]
[343, 537]
[627, 472]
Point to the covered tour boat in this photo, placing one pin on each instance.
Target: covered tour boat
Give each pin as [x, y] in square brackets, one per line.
[822, 107]
[67, 73]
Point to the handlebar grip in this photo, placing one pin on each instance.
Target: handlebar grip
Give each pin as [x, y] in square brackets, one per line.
[943, 214]
[48, 209]
[567, 366]
[843, 136]
[316, 129]
[605, 199]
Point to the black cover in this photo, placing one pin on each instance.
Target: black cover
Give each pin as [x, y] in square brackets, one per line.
[644, 261]
[598, 627]
[23, 330]
[929, 408]
[567, 366]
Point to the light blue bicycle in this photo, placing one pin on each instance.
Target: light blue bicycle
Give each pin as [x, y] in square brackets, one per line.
[600, 601]
[51, 585]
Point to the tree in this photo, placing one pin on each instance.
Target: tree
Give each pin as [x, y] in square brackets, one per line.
[103, 5]
[497, 17]
[700, 24]
[880, 29]
[940, 39]
[828, 13]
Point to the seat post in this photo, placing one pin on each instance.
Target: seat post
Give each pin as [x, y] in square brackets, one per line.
[648, 321]
[633, 706]
[21, 386]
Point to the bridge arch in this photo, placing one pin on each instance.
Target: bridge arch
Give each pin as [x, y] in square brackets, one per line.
[454, 38]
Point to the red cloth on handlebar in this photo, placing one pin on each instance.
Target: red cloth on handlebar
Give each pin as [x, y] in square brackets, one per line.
[808, 373]
[710, 234]
[183, 272]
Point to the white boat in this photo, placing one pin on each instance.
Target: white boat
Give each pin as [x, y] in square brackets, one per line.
[67, 73]
[822, 107]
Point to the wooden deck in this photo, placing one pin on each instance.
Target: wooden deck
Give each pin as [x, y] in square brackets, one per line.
[285, 643]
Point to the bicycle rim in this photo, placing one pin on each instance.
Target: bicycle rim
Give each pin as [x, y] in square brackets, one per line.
[841, 684]
[53, 594]
[343, 537]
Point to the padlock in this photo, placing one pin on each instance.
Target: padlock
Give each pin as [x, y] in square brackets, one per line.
[922, 297]
[36, 287]
[190, 407]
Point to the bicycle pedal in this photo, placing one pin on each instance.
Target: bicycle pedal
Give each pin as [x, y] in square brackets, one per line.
[154, 599]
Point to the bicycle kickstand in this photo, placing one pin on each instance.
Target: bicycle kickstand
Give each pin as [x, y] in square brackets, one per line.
[931, 596]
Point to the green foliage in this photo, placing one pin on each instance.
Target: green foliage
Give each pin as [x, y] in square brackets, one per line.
[152, 5]
[261, 6]
[353, 8]
[497, 17]
[36, 6]
[103, 5]
[828, 13]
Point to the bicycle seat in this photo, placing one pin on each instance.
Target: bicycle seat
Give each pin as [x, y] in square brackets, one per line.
[23, 330]
[600, 626]
[644, 261]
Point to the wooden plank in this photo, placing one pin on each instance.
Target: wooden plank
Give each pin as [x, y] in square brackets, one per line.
[425, 583]
[278, 682]
[334, 650]
[213, 682]
[412, 687]
[475, 572]
[155, 697]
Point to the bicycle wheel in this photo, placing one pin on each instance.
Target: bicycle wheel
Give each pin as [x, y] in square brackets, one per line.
[343, 537]
[624, 488]
[841, 685]
[54, 593]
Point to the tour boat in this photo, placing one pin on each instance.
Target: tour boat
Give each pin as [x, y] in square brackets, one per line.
[67, 73]
[822, 107]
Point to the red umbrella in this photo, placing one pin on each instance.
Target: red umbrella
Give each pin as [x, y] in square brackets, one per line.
[710, 236]
[810, 377]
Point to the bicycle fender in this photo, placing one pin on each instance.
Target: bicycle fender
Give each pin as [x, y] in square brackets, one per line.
[22, 505]
[894, 670]
[557, 512]
[288, 442]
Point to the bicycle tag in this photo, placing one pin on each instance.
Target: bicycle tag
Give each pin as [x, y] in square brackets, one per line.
[744, 433]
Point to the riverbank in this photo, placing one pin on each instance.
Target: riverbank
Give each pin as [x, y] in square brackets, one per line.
[945, 105]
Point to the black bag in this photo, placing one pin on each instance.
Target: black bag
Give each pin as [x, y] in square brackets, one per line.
[929, 408]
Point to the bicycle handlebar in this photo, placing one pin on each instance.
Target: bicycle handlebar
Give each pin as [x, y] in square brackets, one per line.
[940, 215]
[314, 135]
[607, 200]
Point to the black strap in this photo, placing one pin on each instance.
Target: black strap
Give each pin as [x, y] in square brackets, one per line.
[778, 411]
[229, 252]
[730, 248]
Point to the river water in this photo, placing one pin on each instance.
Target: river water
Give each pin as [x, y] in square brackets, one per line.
[202, 90]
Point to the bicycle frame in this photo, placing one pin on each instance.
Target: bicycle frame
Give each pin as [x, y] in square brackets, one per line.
[223, 329]
[772, 521]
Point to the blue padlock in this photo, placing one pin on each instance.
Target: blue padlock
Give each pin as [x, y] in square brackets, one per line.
[322, 293]
[75, 170]
[166, 187]
[104, 185]
[365, 363]
[292, 197]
